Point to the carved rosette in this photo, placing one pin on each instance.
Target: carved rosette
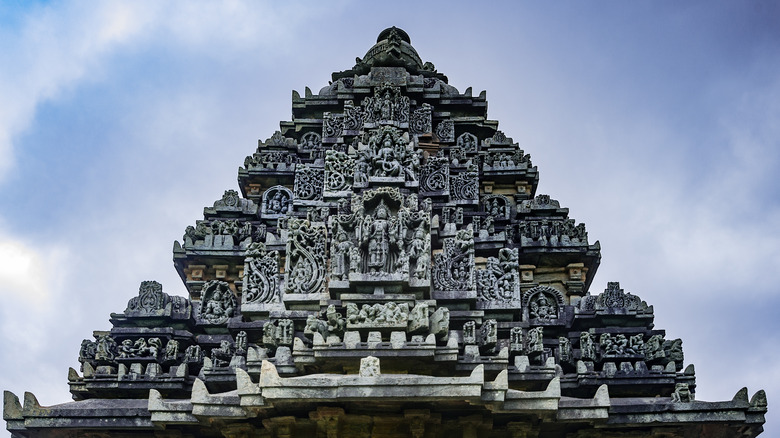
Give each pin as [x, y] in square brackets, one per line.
[306, 257]
[261, 275]
[309, 182]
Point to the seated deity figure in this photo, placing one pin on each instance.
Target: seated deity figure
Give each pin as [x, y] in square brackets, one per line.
[385, 162]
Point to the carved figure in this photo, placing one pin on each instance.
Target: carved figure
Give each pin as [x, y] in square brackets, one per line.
[535, 340]
[171, 350]
[587, 346]
[218, 303]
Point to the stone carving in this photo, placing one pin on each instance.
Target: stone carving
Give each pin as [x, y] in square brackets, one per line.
[445, 131]
[272, 160]
[619, 345]
[488, 333]
[516, 343]
[543, 303]
[306, 261]
[435, 176]
[279, 332]
[369, 367]
[465, 185]
[614, 298]
[421, 120]
[440, 323]
[387, 105]
[261, 275]
[503, 160]
[277, 201]
[218, 303]
[500, 280]
[535, 342]
[682, 393]
[587, 346]
[332, 126]
[418, 319]
[453, 268]
[654, 348]
[552, 232]
[385, 236]
[339, 171]
[222, 355]
[468, 142]
[241, 343]
[150, 298]
[140, 348]
[388, 153]
[342, 254]
[193, 354]
[470, 333]
[310, 141]
[497, 206]
[564, 349]
[309, 182]
[388, 314]
[171, 350]
[353, 117]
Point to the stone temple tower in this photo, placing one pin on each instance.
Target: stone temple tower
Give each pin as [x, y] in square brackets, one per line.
[386, 269]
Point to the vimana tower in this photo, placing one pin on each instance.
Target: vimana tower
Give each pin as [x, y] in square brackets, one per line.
[387, 269]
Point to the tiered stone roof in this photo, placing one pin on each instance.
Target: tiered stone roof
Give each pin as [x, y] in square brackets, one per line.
[387, 269]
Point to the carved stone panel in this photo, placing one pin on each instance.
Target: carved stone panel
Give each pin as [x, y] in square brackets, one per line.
[306, 257]
[277, 202]
[218, 303]
[453, 268]
[261, 276]
[309, 183]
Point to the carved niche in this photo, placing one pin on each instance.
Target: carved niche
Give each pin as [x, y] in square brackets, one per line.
[468, 142]
[386, 106]
[218, 303]
[498, 285]
[542, 303]
[306, 258]
[277, 202]
[261, 275]
[386, 237]
[310, 141]
[388, 157]
[497, 206]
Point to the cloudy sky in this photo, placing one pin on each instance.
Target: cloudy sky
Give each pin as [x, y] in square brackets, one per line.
[655, 123]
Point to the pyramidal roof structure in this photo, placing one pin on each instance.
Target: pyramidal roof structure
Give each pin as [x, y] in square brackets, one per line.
[386, 270]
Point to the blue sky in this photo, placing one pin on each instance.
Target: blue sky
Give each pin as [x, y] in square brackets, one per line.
[655, 123]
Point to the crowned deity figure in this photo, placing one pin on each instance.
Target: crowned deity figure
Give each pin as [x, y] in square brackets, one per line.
[379, 235]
